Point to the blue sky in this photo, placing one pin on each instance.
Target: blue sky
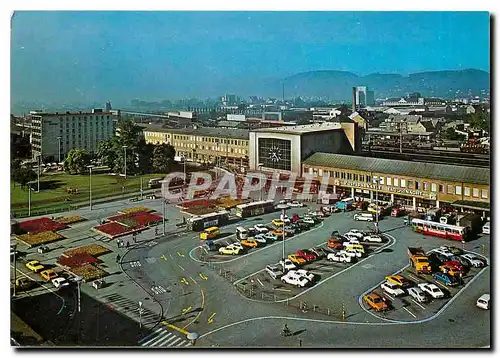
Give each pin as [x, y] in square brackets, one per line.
[71, 56]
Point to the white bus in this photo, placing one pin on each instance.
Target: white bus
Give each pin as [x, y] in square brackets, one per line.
[256, 208]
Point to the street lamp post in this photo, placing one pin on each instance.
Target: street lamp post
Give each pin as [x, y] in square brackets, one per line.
[78, 279]
[38, 174]
[184, 161]
[260, 165]
[15, 269]
[140, 314]
[90, 186]
[377, 204]
[164, 214]
[283, 208]
[29, 199]
[125, 160]
[59, 149]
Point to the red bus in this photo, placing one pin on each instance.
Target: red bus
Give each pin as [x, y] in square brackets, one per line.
[444, 231]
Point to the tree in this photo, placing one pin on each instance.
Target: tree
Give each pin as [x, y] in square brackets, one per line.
[163, 158]
[105, 153]
[23, 176]
[77, 161]
[144, 156]
[20, 146]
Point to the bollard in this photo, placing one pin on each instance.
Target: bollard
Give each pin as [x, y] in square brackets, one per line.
[343, 311]
[328, 311]
[314, 308]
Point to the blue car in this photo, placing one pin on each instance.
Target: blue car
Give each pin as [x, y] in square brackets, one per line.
[445, 279]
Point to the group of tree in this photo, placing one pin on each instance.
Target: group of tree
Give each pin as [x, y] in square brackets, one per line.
[21, 174]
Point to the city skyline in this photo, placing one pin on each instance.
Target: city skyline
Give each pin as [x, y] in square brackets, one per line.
[89, 56]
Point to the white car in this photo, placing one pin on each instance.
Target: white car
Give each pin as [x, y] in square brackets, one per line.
[431, 289]
[260, 228]
[289, 265]
[308, 220]
[357, 233]
[484, 301]
[306, 274]
[295, 204]
[372, 238]
[339, 257]
[352, 239]
[417, 294]
[274, 271]
[473, 260]
[260, 238]
[60, 282]
[270, 236]
[237, 245]
[293, 279]
[352, 253]
[443, 251]
[363, 217]
[392, 289]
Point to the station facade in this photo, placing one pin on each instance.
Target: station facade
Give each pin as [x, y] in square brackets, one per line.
[414, 185]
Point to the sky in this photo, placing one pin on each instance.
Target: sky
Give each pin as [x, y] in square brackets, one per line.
[98, 56]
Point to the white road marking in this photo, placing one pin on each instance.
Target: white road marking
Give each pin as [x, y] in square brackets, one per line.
[150, 335]
[407, 310]
[154, 338]
[163, 339]
[418, 304]
[389, 296]
[260, 282]
[170, 339]
[177, 340]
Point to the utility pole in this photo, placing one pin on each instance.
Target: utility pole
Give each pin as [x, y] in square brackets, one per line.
[38, 171]
[90, 186]
[15, 269]
[164, 214]
[59, 149]
[283, 208]
[141, 187]
[29, 199]
[125, 160]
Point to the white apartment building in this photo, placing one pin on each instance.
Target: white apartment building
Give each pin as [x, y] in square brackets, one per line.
[55, 134]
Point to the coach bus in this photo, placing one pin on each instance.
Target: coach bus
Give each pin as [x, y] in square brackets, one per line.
[202, 222]
[444, 231]
[255, 208]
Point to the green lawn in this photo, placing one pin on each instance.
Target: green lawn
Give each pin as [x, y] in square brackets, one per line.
[53, 190]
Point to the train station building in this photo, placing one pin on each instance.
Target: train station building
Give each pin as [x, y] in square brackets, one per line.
[414, 185]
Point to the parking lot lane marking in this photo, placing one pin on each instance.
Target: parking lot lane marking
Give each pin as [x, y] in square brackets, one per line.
[414, 278]
[260, 283]
[388, 296]
[203, 276]
[211, 318]
[282, 289]
[407, 310]
[440, 284]
[259, 250]
[169, 254]
[164, 257]
[179, 254]
[184, 281]
[182, 268]
[185, 310]
[192, 279]
[418, 304]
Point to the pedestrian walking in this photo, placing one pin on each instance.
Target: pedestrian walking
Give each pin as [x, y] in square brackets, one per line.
[118, 243]
[118, 257]
[128, 244]
[135, 240]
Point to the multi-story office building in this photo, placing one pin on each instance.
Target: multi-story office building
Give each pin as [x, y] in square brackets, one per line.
[203, 144]
[55, 134]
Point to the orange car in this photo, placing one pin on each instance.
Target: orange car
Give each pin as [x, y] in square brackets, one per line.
[296, 259]
[249, 243]
[334, 244]
[279, 233]
[376, 302]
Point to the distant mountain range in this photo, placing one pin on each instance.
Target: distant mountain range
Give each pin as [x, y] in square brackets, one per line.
[337, 85]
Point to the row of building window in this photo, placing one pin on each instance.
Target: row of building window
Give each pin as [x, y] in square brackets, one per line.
[403, 183]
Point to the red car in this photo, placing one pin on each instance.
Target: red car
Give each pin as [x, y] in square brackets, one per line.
[398, 212]
[455, 265]
[307, 255]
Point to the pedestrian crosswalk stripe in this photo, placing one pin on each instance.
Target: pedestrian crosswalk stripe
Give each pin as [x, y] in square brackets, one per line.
[183, 342]
[164, 338]
[154, 338]
[150, 335]
[177, 340]
[168, 340]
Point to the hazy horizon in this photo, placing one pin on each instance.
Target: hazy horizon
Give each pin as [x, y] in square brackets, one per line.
[63, 57]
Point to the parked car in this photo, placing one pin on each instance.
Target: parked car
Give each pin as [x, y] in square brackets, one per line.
[293, 279]
[24, 283]
[363, 217]
[376, 302]
[473, 260]
[289, 265]
[304, 273]
[352, 239]
[261, 228]
[249, 243]
[296, 259]
[295, 204]
[308, 220]
[274, 271]
[392, 289]
[443, 251]
[484, 301]
[319, 252]
[35, 266]
[399, 280]
[48, 275]
[339, 257]
[436, 259]
[278, 222]
[445, 279]
[352, 252]
[372, 238]
[357, 233]
[335, 233]
[307, 255]
[463, 262]
[260, 238]
[453, 249]
[417, 294]
[431, 289]
[60, 282]
[230, 250]
[334, 244]
[269, 236]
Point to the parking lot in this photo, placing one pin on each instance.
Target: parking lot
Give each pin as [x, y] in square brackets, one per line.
[407, 308]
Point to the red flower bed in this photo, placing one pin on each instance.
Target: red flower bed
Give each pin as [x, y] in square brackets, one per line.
[76, 260]
[114, 229]
[132, 220]
[39, 225]
[199, 202]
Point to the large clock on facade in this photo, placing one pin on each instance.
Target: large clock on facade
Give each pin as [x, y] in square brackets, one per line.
[275, 153]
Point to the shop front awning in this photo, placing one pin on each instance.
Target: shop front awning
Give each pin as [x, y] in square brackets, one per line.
[469, 204]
